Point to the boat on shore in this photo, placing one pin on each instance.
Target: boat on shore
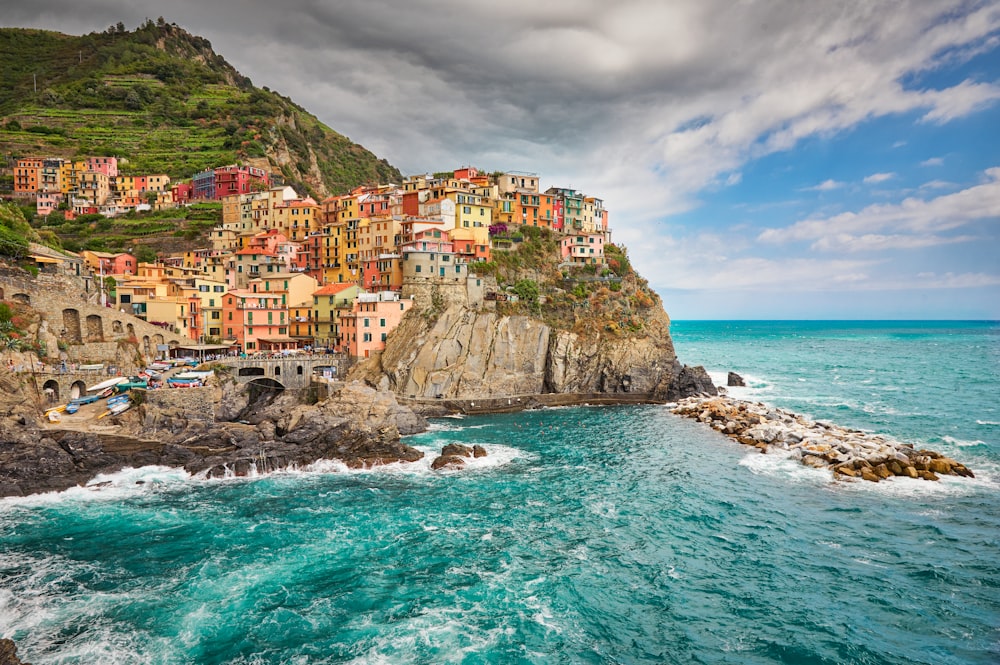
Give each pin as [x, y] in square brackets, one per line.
[104, 385]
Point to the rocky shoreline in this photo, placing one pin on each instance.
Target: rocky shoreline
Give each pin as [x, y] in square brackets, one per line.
[848, 453]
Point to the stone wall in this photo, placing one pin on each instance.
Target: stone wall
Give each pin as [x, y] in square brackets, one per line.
[194, 403]
[443, 292]
[73, 316]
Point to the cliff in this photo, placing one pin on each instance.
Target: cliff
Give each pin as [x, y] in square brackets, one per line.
[575, 331]
[468, 354]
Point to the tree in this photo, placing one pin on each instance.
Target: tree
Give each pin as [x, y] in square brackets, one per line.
[527, 290]
[145, 254]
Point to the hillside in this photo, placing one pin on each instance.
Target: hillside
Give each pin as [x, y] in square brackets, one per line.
[163, 99]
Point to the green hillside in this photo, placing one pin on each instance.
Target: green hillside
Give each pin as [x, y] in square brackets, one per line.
[161, 98]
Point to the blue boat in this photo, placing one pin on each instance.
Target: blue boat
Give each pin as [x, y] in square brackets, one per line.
[72, 407]
[88, 399]
[117, 399]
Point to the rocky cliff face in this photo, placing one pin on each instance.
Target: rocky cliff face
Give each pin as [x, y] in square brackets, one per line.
[467, 353]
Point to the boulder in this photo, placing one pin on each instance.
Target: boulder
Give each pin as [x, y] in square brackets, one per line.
[868, 474]
[8, 653]
[448, 462]
[456, 450]
[941, 466]
[734, 379]
[478, 451]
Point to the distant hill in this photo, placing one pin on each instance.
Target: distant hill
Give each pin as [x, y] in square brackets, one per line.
[162, 98]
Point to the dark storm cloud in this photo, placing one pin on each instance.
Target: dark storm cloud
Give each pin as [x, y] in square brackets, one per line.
[647, 102]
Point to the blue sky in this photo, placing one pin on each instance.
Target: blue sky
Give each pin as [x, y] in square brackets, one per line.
[778, 159]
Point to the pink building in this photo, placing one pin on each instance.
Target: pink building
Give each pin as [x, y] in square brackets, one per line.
[364, 329]
[46, 203]
[106, 165]
[584, 248]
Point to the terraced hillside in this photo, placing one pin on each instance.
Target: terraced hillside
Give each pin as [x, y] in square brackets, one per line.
[161, 98]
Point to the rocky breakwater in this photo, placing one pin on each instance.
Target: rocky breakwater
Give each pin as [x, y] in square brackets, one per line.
[849, 453]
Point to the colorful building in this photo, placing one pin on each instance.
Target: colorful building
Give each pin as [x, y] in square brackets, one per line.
[366, 326]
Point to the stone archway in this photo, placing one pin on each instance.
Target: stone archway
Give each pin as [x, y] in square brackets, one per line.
[95, 328]
[146, 350]
[130, 329]
[71, 326]
[157, 339]
[78, 389]
[21, 298]
[51, 389]
[277, 370]
[1, 293]
[117, 328]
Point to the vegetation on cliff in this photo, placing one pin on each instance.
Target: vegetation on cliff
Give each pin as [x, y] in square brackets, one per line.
[168, 231]
[163, 99]
[610, 299]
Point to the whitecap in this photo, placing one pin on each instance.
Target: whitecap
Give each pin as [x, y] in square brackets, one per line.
[108, 486]
[781, 463]
[991, 423]
[962, 443]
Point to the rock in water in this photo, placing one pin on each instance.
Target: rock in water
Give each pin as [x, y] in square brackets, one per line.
[448, 462]
[8, 654]
[456, 449]
[734, 379]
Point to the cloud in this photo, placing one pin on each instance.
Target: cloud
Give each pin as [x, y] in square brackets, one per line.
[878, 177]
[933, 161]
[937, 184]
[909, 224]
[677, 94]
[824, 186]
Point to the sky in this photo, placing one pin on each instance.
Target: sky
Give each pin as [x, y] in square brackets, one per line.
[760, 160]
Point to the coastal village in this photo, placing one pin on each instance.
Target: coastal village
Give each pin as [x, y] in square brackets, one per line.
[285, 273]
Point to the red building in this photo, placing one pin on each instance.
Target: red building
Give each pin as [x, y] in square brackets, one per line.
[182, 192]
[235, 179]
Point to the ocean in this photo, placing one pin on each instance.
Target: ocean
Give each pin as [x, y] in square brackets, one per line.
[587, 535]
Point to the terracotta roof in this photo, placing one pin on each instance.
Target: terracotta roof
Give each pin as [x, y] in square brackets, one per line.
[333, 289]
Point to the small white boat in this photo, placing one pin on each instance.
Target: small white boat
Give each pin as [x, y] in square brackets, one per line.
[110, 383]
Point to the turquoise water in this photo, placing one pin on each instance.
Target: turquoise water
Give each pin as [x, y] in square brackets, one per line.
[589, 535]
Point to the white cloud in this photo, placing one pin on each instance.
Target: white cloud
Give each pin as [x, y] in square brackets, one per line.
[824, 186]
[912, 223]
[878, 177]
[933, 161]
[937, 184]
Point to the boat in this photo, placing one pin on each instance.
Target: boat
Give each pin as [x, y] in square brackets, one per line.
[85, 399]
[117, 399]
[120, 407]
[72, 407]
[104, 385]
[133, 382]
[183, 383]
[53, 416]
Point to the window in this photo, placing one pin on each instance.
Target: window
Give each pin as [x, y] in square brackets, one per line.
[417, 268]
[381, 323]
[366, 323]
[383, 337]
